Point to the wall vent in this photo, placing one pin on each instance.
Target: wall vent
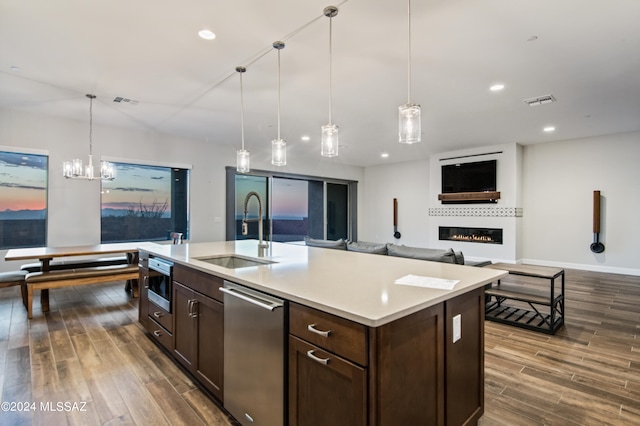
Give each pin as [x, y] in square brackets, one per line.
[540, 100]
[120, 100]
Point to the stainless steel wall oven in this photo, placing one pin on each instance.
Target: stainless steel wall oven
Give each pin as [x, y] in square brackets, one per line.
[160, 282]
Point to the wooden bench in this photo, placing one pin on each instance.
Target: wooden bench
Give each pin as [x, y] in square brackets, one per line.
[73, 277]
[8, 279]
[546, 305]
[57, 265]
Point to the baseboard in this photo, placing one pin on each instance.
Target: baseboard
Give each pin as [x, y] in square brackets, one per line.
[582, 267]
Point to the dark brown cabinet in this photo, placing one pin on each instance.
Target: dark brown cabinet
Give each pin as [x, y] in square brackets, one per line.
[465, 359]
[199, 332]
[186, 340]
[327, 369]
[408, 371]
[143, 299]
[157, 321]
[324, 388]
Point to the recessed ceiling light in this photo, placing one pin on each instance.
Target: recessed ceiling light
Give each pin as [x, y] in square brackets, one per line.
[305, 138]
[15, 68]
[497, 87]
[549, 129]
[206, 34]
[384, 155]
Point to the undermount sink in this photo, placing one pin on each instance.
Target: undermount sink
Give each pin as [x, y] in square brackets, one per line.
[235, 262]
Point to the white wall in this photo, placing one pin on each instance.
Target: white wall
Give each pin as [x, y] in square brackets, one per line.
[558, 180]
[74, 205]
[408, 182]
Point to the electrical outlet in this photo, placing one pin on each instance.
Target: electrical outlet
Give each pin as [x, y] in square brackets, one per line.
[457, 327]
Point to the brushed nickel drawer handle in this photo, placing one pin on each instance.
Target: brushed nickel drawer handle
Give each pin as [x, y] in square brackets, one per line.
[192, 305]
[158, 314]
[323, 361]
[157, 333]
[312, 328]
[145, 281]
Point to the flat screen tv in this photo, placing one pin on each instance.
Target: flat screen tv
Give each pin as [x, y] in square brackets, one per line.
[478, 176]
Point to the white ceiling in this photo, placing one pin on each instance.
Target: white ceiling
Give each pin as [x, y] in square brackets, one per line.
[587, 54]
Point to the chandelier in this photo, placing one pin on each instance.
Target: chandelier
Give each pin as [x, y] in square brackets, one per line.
[73, 169]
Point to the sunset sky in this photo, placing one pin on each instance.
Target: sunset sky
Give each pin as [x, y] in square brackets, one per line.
[290, 196]
[135, 184]
[23, 181]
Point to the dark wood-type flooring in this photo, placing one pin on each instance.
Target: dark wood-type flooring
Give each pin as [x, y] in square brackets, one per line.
[90, 349]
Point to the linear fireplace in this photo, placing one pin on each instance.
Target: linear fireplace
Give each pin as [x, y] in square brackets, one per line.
[472, 235]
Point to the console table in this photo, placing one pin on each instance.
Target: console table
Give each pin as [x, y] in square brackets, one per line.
[545, 303]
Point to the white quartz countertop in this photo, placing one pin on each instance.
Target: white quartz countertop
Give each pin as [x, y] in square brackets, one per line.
[356, 286]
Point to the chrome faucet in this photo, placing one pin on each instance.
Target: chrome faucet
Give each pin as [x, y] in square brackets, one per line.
[245, 227]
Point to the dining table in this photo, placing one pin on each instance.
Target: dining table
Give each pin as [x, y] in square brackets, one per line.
[46, 254]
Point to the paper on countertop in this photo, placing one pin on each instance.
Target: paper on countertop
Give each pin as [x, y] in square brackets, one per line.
[427, 282]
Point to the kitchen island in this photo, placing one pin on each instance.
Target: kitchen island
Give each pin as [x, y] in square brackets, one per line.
[361, 349]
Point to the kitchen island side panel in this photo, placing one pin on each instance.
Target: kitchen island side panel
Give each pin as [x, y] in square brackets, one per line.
[407, 375]
[464, 362]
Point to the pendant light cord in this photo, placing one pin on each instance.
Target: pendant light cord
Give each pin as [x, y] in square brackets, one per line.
[90, 123]
[278, 94]
[330, 69]
[241, 110]
[409, 55]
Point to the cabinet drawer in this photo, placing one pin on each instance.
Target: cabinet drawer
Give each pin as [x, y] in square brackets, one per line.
[161, 316]
[161, 335]
[199, 281]
[338, 335]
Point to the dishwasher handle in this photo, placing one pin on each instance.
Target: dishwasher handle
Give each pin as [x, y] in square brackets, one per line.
[251, 298]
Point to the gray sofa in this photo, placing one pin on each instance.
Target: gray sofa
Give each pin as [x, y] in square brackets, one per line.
[390, 249]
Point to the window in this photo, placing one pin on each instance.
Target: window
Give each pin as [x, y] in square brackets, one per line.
[23, 200]
[294, 206]
[144, 203]
[290, 209]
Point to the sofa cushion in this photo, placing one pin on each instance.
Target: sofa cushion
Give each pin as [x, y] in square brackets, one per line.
[434, 255]
[338, 244]
[366, 247]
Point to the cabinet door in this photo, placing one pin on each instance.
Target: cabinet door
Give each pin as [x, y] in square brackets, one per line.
[465, 359]
[210, 349]
[324, 391]
[143, 302]
[186, 326]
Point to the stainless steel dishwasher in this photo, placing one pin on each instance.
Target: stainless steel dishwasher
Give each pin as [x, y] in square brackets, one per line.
[254, 357]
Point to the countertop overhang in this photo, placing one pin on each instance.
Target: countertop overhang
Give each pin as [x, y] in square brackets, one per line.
[356, 286]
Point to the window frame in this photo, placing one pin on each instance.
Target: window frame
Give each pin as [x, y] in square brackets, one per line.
[230, 191]
[173, 167]
[41, 153]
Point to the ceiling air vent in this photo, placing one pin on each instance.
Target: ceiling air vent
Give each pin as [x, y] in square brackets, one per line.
[540, 100]
[120, 100]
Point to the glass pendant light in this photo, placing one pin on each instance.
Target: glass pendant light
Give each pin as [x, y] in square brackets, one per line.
[243, 160]
[409, 127]
[329, 140]
[278, 146]
[73, 169]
